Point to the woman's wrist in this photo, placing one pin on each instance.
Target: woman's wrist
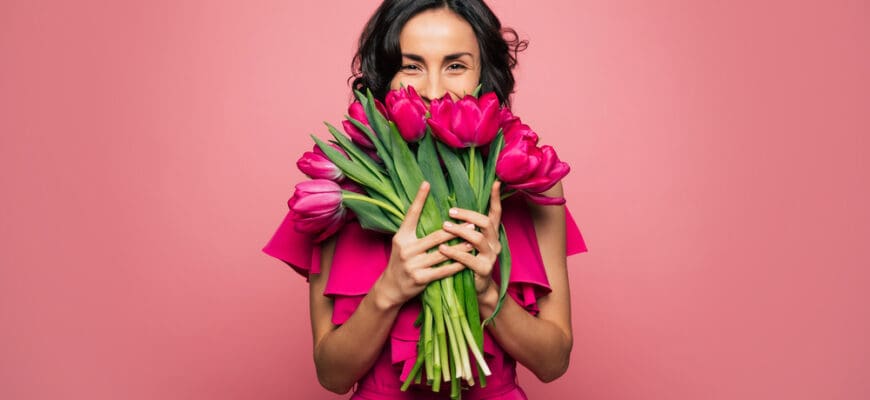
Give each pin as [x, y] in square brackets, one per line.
[382, 298]
[487, 301]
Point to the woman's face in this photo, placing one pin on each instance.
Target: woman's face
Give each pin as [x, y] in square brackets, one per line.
[440, 55]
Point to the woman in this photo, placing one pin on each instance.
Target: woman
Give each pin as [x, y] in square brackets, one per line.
[363, 286]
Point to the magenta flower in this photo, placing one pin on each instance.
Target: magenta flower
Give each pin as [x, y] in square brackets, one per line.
[407, 110]
[356, 111]
[469, 122]
[520, 156]
[549, 171]
[507, 118]
[316, 165]
[317, 207]
[523, 166]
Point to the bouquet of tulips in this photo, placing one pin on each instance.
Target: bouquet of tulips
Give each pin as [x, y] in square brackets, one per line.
[459, 147]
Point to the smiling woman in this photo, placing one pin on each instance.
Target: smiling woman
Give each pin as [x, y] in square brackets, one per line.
[440, 54]
[364, 287]
[402, 33]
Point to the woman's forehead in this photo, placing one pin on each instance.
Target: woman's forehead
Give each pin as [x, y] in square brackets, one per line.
[438, 32]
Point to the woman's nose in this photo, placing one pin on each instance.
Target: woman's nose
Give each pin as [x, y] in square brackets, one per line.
[433, 89]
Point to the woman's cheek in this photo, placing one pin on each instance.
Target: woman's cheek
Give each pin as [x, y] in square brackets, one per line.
[462, 87]
[399, 81]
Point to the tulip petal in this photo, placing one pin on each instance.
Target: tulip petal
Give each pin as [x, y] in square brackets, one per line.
[445, 135]
[357, 135]
[545, 200]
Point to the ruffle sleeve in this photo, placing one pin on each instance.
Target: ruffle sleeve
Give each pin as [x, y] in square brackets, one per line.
[294, 248]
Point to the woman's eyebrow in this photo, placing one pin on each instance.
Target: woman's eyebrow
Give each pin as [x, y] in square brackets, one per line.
[456, 56]
[449, 57]
[413, 57]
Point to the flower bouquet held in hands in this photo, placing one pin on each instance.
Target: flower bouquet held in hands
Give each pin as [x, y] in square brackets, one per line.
[459, 148]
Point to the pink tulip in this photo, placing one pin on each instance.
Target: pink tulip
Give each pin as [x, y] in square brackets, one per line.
[469, 122]
[357, 112]
[523, 166]
[407, 110]
[549, 172]
[507, 118]
[317, 207]
[316, 165]
[520, 156]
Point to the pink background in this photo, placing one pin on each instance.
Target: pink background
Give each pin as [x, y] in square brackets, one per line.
[720, 176]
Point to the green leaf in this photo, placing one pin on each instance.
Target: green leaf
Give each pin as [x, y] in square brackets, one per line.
[378, 122]
[458, 177]
[427, 157]
[411, 178]
[472, 309]
[504, 265]
[379, 197]
[476, 92]
[356, 154]
[489, 172]
[476, 178]
[370, 216]
[384, 153]
[365, 129]
[357, 173]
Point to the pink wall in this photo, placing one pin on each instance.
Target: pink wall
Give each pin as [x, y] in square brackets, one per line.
[719, 154]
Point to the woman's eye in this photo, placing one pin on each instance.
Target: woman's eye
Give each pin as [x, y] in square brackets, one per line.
[455, 67]
[409, 67]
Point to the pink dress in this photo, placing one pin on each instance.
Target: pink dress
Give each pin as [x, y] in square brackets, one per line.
[360, 258]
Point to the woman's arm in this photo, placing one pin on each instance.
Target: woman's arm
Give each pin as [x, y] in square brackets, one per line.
[542, 343]
[338, 356]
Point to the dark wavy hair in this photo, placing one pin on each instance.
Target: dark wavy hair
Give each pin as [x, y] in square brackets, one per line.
[379, 57]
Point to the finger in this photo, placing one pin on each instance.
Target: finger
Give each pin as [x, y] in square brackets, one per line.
[427, 275]
[433, 258]
[478, 219]
[465, 231]
[495, 203]
[414, 210]
[471, 261]
[429, 241]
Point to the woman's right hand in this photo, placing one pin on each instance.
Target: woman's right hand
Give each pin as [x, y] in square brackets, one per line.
[409, 269]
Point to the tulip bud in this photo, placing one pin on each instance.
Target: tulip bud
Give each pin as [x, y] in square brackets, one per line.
[357, 112]
[407, 110]
[316, 165]
[469, 122]
[318, 208]
[523, 166]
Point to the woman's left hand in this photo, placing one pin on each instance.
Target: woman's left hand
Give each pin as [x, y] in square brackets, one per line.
[485, 240]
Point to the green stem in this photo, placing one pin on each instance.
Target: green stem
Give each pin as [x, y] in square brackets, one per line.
[441, 335]
[481, 362]
[428, 341]
[457, 317]
[454, 347]
[414, 371]
[471, 165]
[381, 204]
[508, 194]
[390, 195]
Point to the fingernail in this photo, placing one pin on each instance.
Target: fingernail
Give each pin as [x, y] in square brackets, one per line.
[453, 211]
[447, 224]
[469, 226]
